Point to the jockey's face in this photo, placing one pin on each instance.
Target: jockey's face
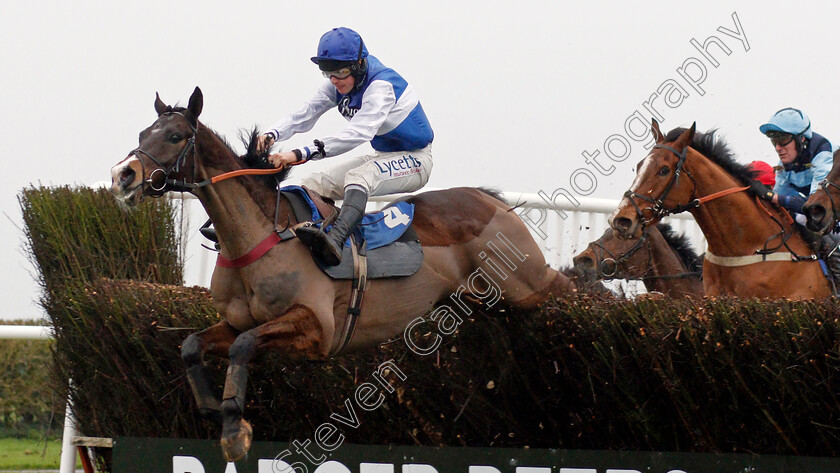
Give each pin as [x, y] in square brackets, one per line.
[787, 152]
[344, 86]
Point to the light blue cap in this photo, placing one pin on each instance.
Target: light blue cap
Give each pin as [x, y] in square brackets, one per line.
[789, 120]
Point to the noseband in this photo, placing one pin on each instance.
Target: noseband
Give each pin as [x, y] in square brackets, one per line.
[615, 262]
[174, 168]
[824, 185]
[657, 207]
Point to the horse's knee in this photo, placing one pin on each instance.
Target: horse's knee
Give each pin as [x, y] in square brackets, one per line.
[191, 350]
[243, 348]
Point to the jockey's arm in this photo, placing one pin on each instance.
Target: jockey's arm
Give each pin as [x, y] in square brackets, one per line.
[305, 118]
[377, 103]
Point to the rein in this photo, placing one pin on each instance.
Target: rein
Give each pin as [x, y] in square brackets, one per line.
[615, 262]
[184, 186]
[658, 210]
[168, 183]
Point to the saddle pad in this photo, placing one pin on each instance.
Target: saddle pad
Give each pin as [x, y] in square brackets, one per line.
[386, 226]
[301, 193]
[401, 258]
[377, 229]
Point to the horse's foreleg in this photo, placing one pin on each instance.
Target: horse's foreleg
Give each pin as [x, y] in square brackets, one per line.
[215, 340]
[559, 286]
[298, 333]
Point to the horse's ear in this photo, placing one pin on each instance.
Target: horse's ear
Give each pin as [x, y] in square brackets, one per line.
[654, 128]
[196, 103]
[688, 136]
[160, 107]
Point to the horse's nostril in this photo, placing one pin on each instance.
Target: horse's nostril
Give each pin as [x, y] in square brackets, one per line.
[814, 212]
[127, 177]
[583, 261]
[622, 223]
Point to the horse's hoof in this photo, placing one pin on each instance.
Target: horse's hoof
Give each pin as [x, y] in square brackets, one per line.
[237, 445]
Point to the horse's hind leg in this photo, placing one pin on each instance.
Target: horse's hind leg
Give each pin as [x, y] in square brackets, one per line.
[510, 256]
[215, 340]
[298, 333]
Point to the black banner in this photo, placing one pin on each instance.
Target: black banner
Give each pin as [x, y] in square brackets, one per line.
[142, 455]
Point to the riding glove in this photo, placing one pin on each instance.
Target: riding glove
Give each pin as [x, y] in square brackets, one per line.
[760, 190]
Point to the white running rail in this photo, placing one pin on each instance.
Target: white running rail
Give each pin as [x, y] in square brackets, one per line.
[561, 229]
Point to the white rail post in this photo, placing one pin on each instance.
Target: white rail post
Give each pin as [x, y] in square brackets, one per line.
[68, 451]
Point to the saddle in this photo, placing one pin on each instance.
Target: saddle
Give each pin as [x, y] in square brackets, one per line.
[385, 241]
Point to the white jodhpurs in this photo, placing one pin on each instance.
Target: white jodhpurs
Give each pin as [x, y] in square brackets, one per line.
[378, 173]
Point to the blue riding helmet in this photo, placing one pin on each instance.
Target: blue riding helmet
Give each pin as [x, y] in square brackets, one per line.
[340, 45]
[789, 120]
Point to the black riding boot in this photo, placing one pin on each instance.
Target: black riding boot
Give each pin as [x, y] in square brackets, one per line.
[328, 245]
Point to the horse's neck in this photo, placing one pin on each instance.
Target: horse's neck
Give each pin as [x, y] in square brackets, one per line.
[666, 262]
[733, 225]
[241, 209]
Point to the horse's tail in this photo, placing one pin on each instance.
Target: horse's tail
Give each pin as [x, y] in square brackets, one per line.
[494, 193]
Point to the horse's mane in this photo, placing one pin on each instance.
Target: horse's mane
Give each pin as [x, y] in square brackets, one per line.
[681, 245]
[717, 150]
[260, 161]
[250, 159]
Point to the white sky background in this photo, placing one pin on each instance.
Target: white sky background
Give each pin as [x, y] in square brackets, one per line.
[514, 92]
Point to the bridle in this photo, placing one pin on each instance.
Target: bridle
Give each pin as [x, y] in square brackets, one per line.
[167, 182]
[170, 184]
[608, 267]
[824, 185]
[657, 208]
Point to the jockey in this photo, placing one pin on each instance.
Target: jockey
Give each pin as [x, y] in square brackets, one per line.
[805, 159]
[381, 108]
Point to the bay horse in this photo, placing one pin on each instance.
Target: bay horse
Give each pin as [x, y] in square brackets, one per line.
[282, 301]
[823, 206]
[754, 249]
[662, 259]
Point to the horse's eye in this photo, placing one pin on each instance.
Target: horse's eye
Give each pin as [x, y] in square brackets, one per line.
[175, 138]
[664, 171]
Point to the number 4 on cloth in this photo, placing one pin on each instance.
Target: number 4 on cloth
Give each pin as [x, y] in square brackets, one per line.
[394, 217]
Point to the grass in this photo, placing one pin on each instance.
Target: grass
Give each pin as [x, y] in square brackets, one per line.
[29, 454]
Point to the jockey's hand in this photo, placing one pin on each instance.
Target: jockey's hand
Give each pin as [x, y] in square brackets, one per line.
[283, 159]
[760, 190]
[264, 142]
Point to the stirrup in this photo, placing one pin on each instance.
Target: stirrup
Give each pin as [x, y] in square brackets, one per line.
[319, 245]
[308, 233]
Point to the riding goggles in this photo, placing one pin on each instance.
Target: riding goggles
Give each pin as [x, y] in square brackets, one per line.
[342, 73]
[778, 138]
